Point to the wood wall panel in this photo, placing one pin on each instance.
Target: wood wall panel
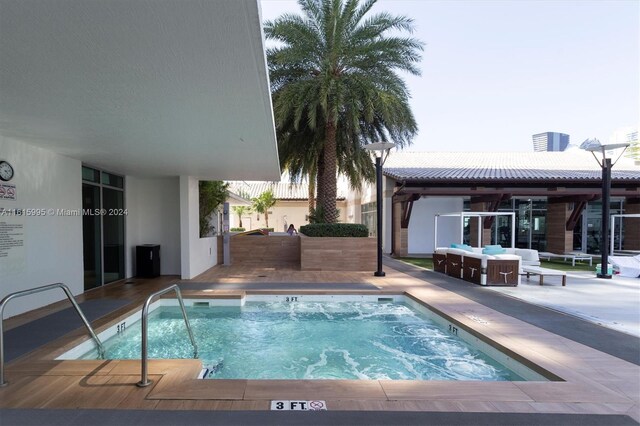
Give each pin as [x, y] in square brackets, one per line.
[631, 225]
[265, 251]
[338, 254]
[559, 240]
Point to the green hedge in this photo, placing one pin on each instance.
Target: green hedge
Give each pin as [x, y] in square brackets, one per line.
[335, 230]
[237, 230]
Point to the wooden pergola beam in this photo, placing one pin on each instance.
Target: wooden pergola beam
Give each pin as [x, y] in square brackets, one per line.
[578, 208]
[407, 207]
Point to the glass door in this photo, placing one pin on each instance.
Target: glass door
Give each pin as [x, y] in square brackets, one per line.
[538, 225]
[103, 227]
[523, 223]
[91, 236]
[113, 231]
[578, 236]
[593, 226]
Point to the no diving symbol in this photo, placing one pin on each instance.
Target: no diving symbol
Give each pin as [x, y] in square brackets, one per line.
[11, 192]
[317, 405]
[2, 191]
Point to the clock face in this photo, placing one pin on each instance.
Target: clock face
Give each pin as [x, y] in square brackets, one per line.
[6, 171]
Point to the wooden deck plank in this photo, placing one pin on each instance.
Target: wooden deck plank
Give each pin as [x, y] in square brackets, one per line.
[314, 389]
[438, 390]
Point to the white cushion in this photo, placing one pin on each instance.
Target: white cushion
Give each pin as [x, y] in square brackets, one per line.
[626, 266]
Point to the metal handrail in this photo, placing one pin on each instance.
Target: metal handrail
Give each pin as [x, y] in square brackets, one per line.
[17, 294]
[144, 380]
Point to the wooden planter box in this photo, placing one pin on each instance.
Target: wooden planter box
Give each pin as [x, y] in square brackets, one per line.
[262, 251]
[338, 253]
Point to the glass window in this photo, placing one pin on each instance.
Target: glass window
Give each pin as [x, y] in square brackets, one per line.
[112, 180]
[91, 175]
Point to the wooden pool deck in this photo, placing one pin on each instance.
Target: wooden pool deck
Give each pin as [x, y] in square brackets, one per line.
[592, 382]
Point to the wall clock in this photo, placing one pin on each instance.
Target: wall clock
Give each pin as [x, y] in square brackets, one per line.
[6, 171]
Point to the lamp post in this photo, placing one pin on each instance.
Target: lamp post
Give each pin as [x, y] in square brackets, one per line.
[379, 148]
[594, 145]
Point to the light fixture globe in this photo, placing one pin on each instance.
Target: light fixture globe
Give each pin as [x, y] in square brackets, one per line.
[594, 145]
[380, 146]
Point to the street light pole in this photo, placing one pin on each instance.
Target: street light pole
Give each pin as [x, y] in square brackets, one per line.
[604, 239]
[594, 145]
[379, 272]
[378, 149]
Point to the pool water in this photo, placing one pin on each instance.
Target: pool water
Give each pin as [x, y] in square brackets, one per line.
[311, 340]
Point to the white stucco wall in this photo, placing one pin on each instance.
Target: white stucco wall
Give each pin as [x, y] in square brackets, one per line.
[353, 207]
[196, 254]
[421, 230]
[154, 218]
[52, 250]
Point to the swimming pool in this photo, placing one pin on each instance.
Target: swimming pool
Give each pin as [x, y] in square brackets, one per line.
[302, 337]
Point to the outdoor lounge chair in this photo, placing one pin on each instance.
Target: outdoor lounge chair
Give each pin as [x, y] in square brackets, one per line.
[572, 256]
[626, 266]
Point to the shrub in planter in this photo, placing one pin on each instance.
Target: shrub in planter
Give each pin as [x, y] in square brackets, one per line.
[237, 230]
[335, 230]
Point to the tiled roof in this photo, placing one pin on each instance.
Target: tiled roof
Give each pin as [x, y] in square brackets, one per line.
[281, 190]
[567, 165]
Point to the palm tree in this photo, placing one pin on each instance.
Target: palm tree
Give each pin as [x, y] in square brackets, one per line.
[263, 203]
[241, 211]
[333, 73]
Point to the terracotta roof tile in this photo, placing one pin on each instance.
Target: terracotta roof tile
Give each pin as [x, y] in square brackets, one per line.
[281, 190]
[567, 165]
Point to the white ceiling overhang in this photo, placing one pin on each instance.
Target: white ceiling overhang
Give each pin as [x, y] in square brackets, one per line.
[140, 87]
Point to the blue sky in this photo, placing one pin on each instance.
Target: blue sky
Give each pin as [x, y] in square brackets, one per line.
[496, 72]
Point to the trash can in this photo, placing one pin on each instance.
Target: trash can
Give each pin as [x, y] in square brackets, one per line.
[148, 260]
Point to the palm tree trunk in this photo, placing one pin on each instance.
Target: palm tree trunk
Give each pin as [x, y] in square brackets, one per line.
[319, 182]
[329, 179]
[312, 193]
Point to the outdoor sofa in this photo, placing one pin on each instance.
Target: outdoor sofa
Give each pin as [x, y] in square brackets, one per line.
[491, 265]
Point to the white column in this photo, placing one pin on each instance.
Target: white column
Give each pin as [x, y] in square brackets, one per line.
[185, 234]
[196, 254]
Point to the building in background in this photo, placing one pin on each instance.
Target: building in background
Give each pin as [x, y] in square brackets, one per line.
[550, 141]
[556, 198]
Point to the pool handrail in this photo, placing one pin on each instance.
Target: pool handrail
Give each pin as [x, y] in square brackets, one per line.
[144, 379]
[40, 289]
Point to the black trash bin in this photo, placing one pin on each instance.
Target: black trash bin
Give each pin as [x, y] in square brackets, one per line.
[148, 260]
